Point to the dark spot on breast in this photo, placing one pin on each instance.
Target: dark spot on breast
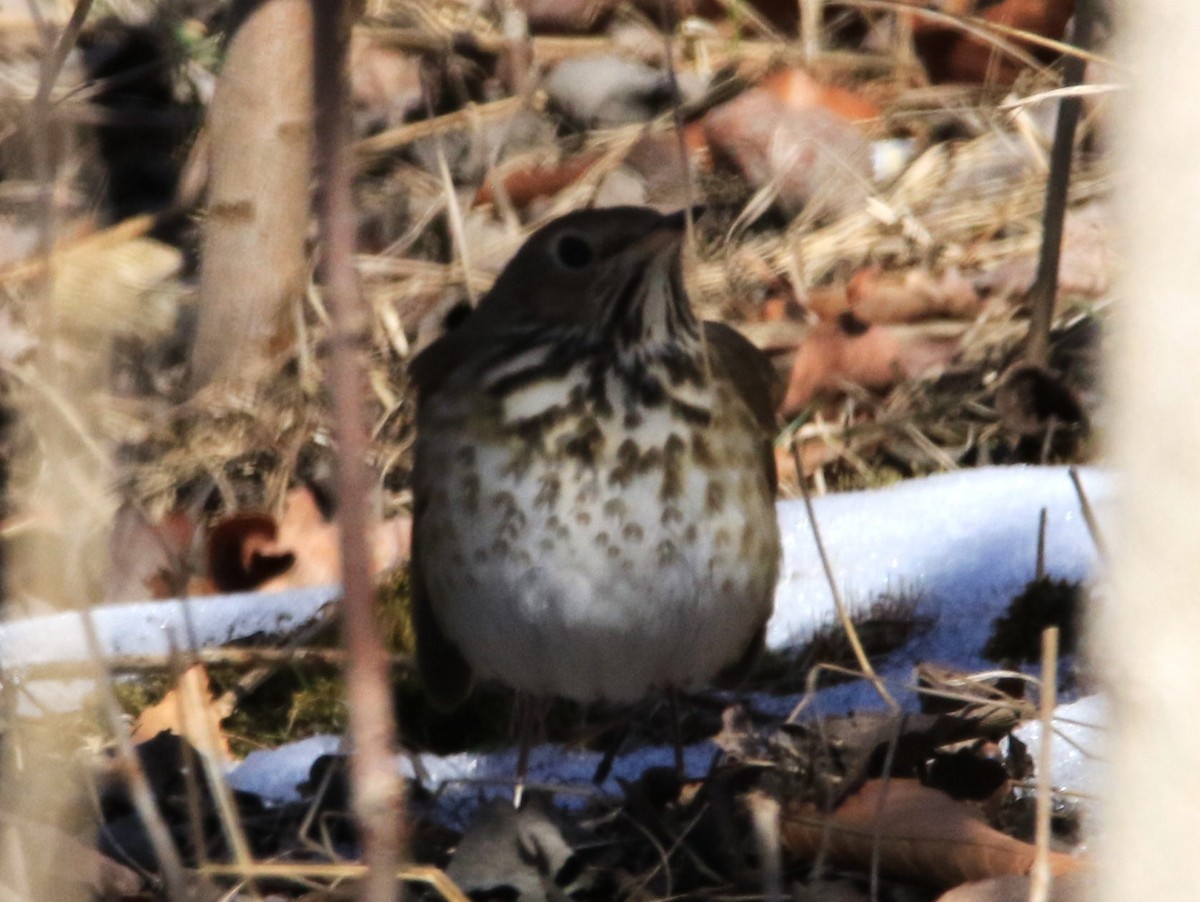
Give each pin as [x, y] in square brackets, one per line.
[701, 451]
[671, 514]
[614, 507]
[667, 553]
[469, 486]
[585, 444]
[548, 491]
[632, 533]
[714, 497]
[749, 543]
[682, 368]
[583, 518]
[672, 481]
[532, 430]
[628, 455]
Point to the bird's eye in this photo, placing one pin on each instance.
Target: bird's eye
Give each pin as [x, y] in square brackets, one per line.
[572, 251]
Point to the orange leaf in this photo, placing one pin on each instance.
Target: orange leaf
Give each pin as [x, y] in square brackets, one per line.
[848, 350]
[189, 710]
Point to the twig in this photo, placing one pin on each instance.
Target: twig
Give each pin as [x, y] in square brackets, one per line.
[1040, 569]
[428, 876]
[403, 135]
[764, 818]
[1045, 285]
[860, 653]
[1089, 516]
[170, 865]
[199, 731]
[1039, 890]
[377, 790]
[228, 657]
[810, 29]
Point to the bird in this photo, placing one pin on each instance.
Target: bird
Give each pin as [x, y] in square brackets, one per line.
[593, 476]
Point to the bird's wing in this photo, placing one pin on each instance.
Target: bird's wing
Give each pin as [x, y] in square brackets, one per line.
[757, 382]
[446, 674]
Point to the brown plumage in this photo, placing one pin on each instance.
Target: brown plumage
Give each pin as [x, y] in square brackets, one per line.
[594, 480]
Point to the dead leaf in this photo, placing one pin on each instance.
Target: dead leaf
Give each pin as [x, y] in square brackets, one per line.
[799, 90]
[252, 551]
[243, 552]
[1077, 887]
[952, 54]
[848, 350]
[151, 559]
[911, 295]
[524, 180]
[812, 158]
[190, 711]
[922, 835]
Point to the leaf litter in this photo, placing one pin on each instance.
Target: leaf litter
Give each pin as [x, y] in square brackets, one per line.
[929, 263]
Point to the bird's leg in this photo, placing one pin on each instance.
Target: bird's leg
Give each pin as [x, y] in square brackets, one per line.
[523, 709]
[676, 732]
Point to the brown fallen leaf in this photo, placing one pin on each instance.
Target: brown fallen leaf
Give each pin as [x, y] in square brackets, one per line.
[189, 710]
[921, 834]
[253, 551]
[243, 552]
[878, 296]
[952, 54]
[525, 181]
[1077, 887]
[799, 90]
[812, 158]
[152, 558]
[848, 350]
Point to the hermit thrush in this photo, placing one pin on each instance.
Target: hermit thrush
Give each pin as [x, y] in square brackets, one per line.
[594, 481]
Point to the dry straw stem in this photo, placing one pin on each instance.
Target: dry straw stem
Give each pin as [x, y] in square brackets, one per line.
[226, 657]
[1041, 873]
[860, 653]
[1089, 517]
[1045, 287]
[302, 872]
[988, 31]
[170, 865]
[377, 792]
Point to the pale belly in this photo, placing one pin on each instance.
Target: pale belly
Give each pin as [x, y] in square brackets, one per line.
[594, 581]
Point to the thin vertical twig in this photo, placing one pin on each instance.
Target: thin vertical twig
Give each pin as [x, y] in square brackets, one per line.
[140, 792]
[1041, 877]
[377, 790]
[44, 166]
[810, 29]
[1089, 517]
[1045, 285]
[1040, 569]
[856, 645]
